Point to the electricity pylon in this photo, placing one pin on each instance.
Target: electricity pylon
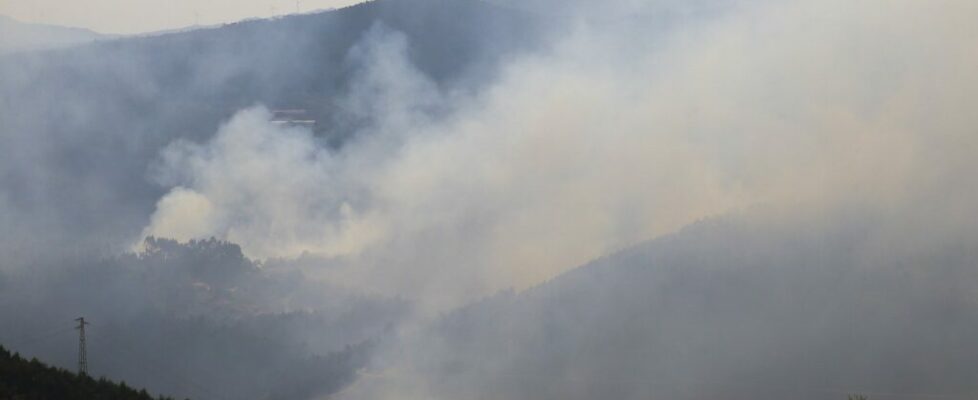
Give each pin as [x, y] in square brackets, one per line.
[82, 355]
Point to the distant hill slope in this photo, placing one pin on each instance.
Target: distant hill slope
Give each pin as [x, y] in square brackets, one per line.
[615, 9]
[197, 320]
[99, 114]
[22, 379]
[730, 308]
[21, 36]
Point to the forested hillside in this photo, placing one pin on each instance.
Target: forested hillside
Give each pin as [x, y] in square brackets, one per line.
[197, 320]
[23, 379]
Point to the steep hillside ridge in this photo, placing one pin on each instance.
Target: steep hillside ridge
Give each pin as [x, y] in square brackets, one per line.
[24, 379]
[730, 308]
[17, 36]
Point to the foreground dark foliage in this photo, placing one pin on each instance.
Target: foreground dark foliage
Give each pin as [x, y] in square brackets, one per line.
[23, 379]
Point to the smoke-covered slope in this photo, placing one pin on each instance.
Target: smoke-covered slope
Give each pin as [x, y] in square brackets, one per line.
[81, 136]
[855, 121]
[730, 308]
[79, 128]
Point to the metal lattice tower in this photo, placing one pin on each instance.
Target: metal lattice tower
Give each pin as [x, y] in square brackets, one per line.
[82, 354]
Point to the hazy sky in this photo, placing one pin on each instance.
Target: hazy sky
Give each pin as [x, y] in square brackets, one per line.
[138, 16]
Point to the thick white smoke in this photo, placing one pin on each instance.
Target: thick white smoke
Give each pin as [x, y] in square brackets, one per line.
[616, 136]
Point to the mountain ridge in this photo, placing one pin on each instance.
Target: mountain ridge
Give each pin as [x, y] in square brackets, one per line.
[18, 36]
[711, 312]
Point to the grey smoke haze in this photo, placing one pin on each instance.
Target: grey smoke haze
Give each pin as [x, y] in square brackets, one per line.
[75, 165]
[81, 131]
[738, 307]
[825, 147]
[613, 137]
